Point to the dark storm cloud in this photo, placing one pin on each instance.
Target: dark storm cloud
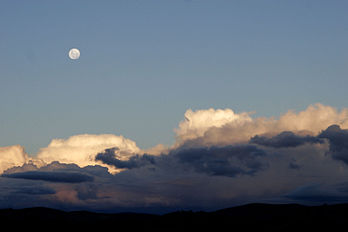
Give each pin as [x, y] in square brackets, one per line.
[35, 191]
[108, 157]
[318, 193]
[51, 176]
[338, 140]
[294, 166]
[222, 161]
[54, 185]
[284, 139]
[22, 193]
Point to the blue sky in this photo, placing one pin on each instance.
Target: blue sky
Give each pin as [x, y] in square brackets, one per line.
[144, 63]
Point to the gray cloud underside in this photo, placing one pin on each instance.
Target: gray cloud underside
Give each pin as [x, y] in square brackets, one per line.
[108, 157]
[338, 139]
[53, 176]
[285, 139]
[222, 161]
[235, 159]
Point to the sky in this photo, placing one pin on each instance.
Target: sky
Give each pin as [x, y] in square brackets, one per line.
[172, 90]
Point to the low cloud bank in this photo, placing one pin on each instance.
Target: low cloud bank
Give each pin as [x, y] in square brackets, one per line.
[220, 158]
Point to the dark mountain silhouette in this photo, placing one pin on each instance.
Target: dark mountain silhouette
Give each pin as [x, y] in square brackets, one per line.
[259, 217]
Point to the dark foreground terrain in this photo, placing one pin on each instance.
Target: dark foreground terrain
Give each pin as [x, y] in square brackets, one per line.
[260, 217]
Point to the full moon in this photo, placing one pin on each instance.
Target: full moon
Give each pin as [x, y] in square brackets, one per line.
[74, 53]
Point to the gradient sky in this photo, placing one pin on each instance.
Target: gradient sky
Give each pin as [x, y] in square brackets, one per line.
[144, 63]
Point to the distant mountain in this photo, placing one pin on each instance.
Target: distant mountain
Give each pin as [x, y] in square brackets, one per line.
[260, 217]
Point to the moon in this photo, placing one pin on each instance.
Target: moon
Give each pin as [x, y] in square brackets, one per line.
[74, 53]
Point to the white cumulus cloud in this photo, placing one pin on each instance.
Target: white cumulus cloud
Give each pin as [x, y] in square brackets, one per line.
[221, 127]
[198, 122]
[82, 149]
[12, 156]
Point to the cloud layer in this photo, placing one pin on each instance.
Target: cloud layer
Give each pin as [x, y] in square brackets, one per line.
[220, 158]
